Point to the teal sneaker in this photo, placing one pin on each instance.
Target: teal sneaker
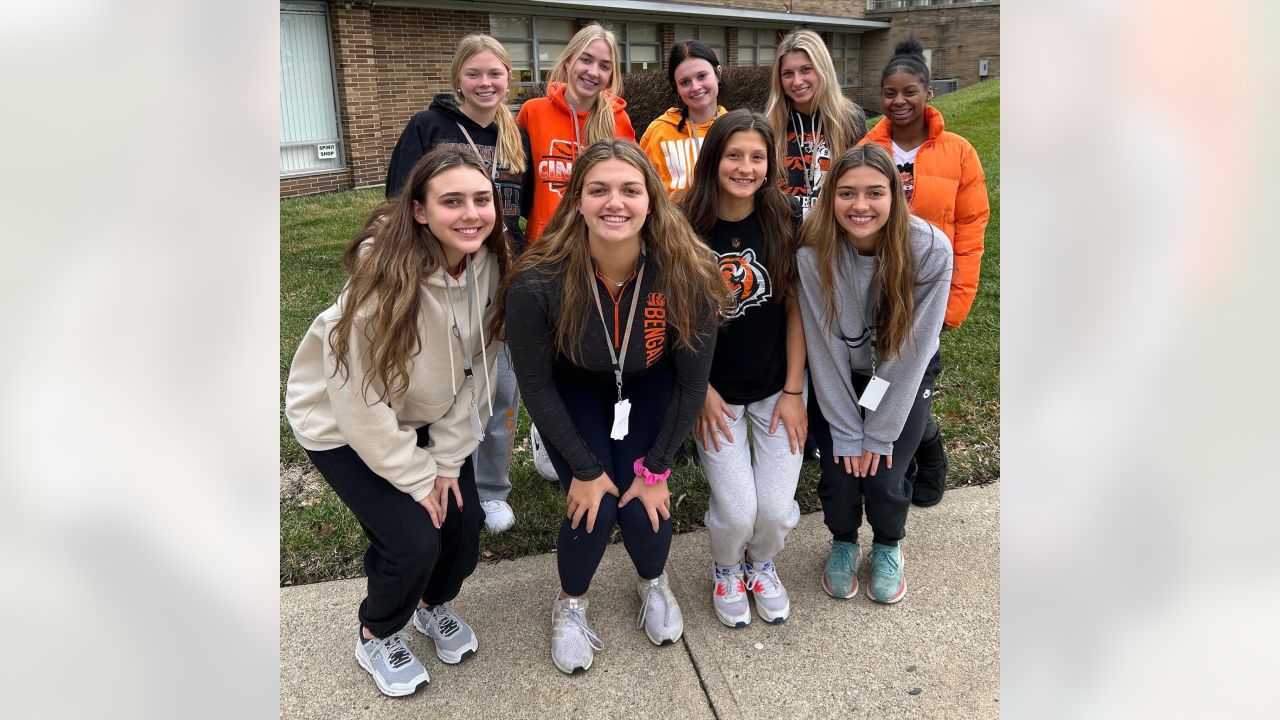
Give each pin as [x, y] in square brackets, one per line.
[888, 583]
[840, 577]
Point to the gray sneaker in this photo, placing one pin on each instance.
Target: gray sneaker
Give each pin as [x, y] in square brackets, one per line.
[729, 595]
[452, 636]
[772, 601]
[394, 668]
[660, 614]
[573, 644]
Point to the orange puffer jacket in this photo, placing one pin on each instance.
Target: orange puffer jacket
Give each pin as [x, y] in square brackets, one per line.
[951, 193]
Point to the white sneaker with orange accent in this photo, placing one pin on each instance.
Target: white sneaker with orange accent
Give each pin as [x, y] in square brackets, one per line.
[772, 601]
[729, 595]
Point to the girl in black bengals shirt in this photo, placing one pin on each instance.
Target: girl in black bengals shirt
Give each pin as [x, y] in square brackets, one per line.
[757, 375]
[611, 321]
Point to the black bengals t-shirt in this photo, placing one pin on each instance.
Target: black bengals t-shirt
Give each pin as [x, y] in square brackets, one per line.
[750, 363]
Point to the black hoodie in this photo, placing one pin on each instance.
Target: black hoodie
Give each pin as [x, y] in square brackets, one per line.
[438, 125]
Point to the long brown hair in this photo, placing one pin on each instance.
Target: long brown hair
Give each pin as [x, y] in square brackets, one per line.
[844, 121]
[600, 124]
[688, 274]
[702, 201]
[895, 271]
[510, 150]
[387, 262]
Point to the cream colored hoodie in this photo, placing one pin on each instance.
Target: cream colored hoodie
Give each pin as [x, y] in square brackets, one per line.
[326, 413]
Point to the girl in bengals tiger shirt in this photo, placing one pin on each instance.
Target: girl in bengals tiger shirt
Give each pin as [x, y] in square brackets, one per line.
[757, 375]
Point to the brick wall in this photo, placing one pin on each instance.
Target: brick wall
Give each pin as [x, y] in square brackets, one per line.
[958, 36]
[413, 49]
[358, 93]
[312, 184]
[838, 8]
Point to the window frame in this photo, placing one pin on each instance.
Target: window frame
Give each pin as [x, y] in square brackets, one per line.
[755, 46]
[321, 8]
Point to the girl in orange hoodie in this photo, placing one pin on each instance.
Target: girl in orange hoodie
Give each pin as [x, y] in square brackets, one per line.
[945, 185]
[582, 106]
[674, 139]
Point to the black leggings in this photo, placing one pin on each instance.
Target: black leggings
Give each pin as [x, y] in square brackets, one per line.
[408, 558]
[887, 494]
[590, 404]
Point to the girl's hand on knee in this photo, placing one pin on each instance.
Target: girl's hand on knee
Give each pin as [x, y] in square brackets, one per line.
[584, 499]
[850, 464]
[791, 411]
[445, 485]
[432, 507]
[711, 419]
[656, 499]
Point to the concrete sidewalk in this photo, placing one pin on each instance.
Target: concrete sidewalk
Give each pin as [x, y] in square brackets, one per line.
[833, 658]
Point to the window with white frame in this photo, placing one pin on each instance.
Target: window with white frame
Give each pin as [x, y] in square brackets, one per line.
[310, 140]
[756, 46]
[712, 36]
[846, 52]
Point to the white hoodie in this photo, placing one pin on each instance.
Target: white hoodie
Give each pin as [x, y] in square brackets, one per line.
[327, 411]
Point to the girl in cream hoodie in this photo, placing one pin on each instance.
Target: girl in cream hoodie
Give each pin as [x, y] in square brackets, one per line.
[388, 394]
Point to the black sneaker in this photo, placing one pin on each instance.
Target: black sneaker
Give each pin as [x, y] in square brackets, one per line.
[929, 481]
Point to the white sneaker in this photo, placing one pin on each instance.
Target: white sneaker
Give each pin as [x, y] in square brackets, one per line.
[573, 644]
[498, 516]
[541, 461]
[660, 614]
[395, 669]
[773, 603]
[729, 595]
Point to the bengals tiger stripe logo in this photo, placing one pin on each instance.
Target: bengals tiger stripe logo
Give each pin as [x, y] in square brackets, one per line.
[748, 281]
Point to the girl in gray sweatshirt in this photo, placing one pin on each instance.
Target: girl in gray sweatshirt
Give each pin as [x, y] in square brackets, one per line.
[873, 292]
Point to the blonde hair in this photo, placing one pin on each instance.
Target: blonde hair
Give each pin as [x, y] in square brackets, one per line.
[688, 272]
[600, 122]
[510, 150]
[844, 121]
[895, 270]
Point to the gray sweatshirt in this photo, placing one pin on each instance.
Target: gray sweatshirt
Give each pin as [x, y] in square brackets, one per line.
[838, 349]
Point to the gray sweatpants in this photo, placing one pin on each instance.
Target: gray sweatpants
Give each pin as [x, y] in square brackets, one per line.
[493, 456]
[753, 499]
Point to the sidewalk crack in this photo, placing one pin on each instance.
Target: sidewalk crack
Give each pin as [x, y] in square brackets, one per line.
[697, 671]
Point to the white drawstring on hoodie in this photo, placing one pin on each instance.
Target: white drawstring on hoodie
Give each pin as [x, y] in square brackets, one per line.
[477, 428]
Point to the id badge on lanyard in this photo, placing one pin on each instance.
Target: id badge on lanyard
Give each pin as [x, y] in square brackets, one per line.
[622, 408]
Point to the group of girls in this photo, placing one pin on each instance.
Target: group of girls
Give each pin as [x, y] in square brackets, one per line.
[655, 296]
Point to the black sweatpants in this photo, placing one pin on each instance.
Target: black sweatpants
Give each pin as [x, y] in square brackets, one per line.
[590, 404]
[887, 494]
[408, 558]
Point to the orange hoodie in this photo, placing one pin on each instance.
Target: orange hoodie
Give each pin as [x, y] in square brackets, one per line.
[950, 192]
[553, 139]
[674, 152]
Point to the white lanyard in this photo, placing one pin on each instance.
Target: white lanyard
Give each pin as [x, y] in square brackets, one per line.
[876, 387]
[577, 138]
[811, 170]
[477, 429]
[619, 360]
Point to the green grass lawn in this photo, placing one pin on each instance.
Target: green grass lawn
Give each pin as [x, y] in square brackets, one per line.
[320, 539]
